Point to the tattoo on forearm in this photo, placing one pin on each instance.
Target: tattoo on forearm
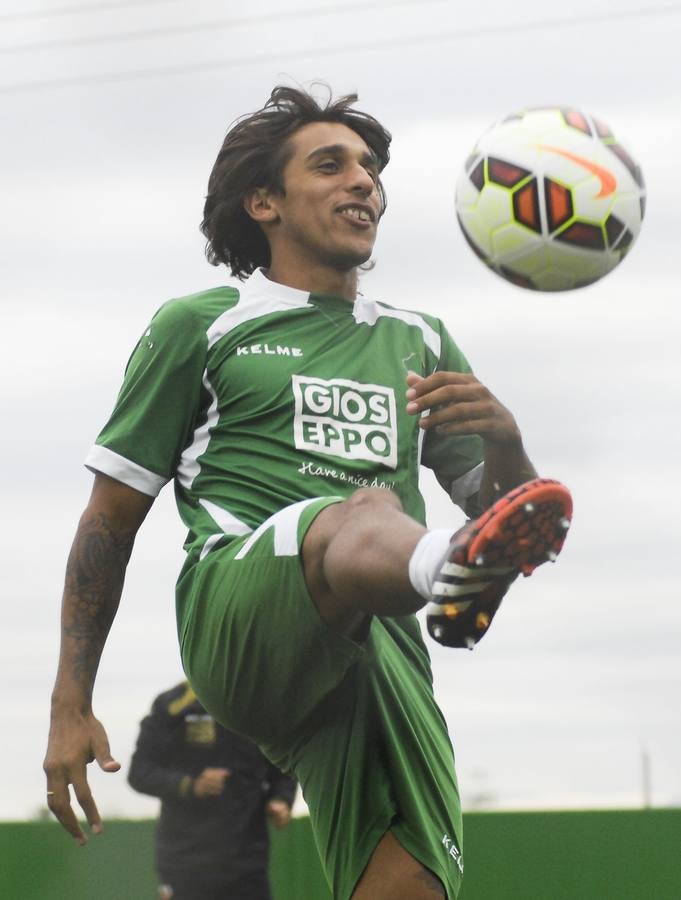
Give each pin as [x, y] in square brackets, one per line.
[94, 580]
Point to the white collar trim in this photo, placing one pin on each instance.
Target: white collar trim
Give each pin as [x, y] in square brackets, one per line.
[258, 283]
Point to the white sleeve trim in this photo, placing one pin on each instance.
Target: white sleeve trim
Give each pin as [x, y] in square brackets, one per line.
[466, 485]
[101, 459]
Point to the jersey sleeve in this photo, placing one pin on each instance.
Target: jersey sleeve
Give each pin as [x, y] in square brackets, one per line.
[156, 410]
[456, 460]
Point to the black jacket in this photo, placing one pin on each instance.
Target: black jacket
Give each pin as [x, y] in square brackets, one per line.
[223, 837]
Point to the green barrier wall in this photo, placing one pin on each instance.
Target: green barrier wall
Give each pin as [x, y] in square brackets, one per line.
[622, 855]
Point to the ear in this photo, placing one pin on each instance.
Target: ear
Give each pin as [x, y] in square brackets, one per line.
[260, 206]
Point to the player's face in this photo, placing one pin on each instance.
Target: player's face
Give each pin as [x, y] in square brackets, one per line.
[331, 205]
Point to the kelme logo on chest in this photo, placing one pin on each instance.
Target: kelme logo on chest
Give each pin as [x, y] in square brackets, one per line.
[266, 350]
[346, 419]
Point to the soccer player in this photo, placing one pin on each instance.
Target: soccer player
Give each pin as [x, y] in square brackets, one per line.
[293, 413]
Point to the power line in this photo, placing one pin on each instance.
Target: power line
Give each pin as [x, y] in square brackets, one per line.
[235, 22]
[334, 50]
[77, 8]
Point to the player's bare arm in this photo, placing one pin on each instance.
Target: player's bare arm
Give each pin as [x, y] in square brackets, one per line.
[459, 404]
[94, 580]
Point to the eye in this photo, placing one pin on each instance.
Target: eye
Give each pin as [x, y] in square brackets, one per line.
[329, 165]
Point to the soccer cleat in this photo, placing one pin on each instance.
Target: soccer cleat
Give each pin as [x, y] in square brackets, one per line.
[522, 530]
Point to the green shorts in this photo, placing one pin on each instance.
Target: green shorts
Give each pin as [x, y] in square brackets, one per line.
[356, 723]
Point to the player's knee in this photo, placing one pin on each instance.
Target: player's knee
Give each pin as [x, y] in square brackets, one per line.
[362, 508]
[365, 498]
[366, 511]
[351, 525]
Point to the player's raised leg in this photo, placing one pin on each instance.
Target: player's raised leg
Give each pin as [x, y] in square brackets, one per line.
[356, 559]
[366, 556]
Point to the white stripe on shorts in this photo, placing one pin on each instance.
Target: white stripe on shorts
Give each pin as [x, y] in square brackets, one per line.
[285, 524]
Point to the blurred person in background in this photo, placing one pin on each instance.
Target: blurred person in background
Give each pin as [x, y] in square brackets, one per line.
[217, 794]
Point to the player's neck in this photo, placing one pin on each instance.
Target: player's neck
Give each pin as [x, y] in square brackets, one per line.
[315, 279]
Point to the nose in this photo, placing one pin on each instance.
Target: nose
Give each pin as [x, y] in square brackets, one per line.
[361, 181]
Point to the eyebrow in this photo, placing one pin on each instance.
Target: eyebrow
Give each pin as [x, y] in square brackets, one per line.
[368, 157]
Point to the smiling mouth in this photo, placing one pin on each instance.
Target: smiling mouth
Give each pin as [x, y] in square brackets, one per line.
[357, 214]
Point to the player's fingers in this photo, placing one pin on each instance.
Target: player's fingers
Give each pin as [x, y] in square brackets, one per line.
[482, 427]
[87, 803]
[472, 413]
[448, 395]
[59, 804]
[422, 386]
[465, 427]
[102, 754]
[487, 417]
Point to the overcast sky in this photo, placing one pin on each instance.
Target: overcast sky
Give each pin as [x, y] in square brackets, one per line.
[107, 145]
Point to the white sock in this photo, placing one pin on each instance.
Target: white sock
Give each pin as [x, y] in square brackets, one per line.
[426, 560]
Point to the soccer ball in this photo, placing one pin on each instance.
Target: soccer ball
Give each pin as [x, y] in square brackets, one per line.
[550, 200]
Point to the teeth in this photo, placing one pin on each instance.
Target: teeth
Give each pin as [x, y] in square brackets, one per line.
[360, 214]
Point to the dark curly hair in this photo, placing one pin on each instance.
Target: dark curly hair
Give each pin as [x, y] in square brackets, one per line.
[254, 154]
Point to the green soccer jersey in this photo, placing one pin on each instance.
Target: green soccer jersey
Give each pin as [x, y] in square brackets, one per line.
[253, 398]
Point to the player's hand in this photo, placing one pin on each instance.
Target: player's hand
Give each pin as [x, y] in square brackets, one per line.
[460, 404]
[211, 782]
[75, 740]
[278, 812]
